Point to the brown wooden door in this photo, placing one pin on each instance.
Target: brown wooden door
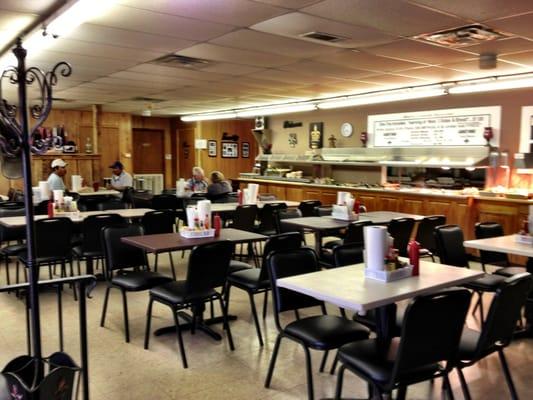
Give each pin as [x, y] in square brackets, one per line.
[186, 153]
[148, 151]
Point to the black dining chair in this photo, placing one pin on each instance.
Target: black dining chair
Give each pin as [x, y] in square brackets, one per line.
[255, 280]
[352, 235]
[484, 230]
[425, 236]
[111, 204]
[497, 330]
[319, 332]
[427, 348]
[160, 221]
[168, 202]
[207, 270]
[126, 268]
[309, 208]
[243, 218]
[450, 249]
[267, 220]
[8, 235]
[283, 214]
[401, 229]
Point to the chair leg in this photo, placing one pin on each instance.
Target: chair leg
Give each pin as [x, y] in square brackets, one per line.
[104, 309]
[8, 279]
[265, 304]
[343, 313]
[180, 339]
[340, 378]
[155, 261]
[148, 323]
[309, 373]
[224, 309]
[507, 374]
[256, 320]
[402, 392]
[172, 265]
[126, 321]
[448, 386]
[273, 361]
[334, 364]
[60, 316]
[464, 386]
[324, 360]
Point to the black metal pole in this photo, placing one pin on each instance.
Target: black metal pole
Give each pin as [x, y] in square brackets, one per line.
[83, 338]
[20, 53]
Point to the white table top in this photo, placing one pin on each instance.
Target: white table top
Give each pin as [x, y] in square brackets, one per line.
[501, 244]
[102, 192]
[126, 213]
[348, 288]
[224, 207]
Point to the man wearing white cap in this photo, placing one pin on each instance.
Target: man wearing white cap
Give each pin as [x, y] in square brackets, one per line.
[55, 179]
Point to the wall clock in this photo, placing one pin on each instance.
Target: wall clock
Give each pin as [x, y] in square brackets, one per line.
[346, 129]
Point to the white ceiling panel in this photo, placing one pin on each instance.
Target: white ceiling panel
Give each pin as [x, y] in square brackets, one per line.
[437, 74]
[176, 72]
[502, 47]
[396, 17]
[366, 61]
[112, 64]
[392, 80]
[160, 79]
[294, 4]
[296, 24]
[521, 25]
[230, 12]
[525, 58]
[161, 24]
[322, 70]
[27, 6]
[231, 69]
[472, 67]
[298, 77]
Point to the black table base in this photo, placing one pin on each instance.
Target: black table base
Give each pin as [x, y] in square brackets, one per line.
[202, 325]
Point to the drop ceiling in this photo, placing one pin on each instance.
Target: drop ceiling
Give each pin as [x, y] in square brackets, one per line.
[256, 54]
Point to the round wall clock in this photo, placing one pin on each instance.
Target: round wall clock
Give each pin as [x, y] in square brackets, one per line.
[346, 129]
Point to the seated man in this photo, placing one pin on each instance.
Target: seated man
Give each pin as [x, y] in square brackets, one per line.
[197, 183]
[120, 179]
[55, 179]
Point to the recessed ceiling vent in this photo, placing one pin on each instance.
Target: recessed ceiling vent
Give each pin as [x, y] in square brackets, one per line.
[323, 37]
[175, 60]
[464, 36]
[147, 99]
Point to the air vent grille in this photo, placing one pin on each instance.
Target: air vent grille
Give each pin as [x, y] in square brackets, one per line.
[175, 60]
[147, 99]
[323, 37]
[463, 36]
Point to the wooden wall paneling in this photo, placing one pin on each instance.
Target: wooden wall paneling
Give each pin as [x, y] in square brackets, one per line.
[278, 191]
[370, 201]
[413, 206]
[312, 194]
[294, 193]
[389, 203]
[328, 197]
[109, 149]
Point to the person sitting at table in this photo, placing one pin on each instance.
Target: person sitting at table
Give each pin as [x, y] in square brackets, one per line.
[120, 179]
[55, 179]
[197, 183]
[219, 186]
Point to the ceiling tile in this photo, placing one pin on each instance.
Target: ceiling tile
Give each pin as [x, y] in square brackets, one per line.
[392, 80]
[296, 24]
[437, 74]
[85, 61]
[161, 24]
[392, 16]
[525, 58]
[325, 70]
[290, 3]
[521, 25]
[414, 51]
[176, 72]
[208, 51]
[229, 12]
[231, 69]
[252, 40]
[472, 67]
[137, 76]
[501, 47]
[290, 77]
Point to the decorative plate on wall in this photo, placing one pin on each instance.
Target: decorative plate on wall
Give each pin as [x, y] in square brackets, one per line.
[346, 129]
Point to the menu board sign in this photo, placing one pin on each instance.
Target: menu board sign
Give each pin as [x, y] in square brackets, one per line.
[451, 127]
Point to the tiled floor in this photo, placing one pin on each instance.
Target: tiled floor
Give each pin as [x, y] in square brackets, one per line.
[127, 371]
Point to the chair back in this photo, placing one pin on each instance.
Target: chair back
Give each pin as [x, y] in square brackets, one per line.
[165, 202]
[354, 232]
[424, 234]
[127, 196]
[283, 241]
[53, 237]
[244, 217]
[400, 229]
[505, 309]
[309, 208]
[484, 230]
[158, 221]
[267, 218]
[285, 263]
[208, 266]
[11, 205]
[12, 233]
[427, 336]
[113, 204]
[91, 230]
[285, 213]
[347, 254]
[41, 208]
[450, 249]
[119, 255]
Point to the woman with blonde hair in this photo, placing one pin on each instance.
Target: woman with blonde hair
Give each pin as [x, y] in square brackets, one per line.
[219, 186]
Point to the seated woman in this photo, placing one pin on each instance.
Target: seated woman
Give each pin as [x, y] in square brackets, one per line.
[219, 187]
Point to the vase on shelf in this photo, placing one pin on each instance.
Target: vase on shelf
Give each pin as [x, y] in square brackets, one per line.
[88, 146]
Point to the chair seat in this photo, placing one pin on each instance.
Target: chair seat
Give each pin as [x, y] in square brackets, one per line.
[248, 279]
[510, 271]
[13, 250]
[371, 359]
[235, 266]
[79, 253]
[23, 257]
[175, 292]
[325, 332]
[425, 252]
[488, 283]
[468, 344]
[333, 243]
[139, 280]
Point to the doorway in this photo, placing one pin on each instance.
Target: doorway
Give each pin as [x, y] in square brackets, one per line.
[148, 151]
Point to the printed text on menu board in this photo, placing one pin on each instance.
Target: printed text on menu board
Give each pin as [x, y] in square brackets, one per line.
[455, 127]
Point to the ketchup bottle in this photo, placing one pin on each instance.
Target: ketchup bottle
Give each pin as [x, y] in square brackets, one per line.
[413, 249]
[239, 197]
[217, 224]
[50, 209]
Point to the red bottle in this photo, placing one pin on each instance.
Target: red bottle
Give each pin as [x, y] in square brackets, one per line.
[356, 206]
[413, 249]
[50, 209]
[217, 224]
[239, 197]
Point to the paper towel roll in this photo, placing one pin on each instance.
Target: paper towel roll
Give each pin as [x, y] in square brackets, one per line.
[58, 195]
[76, 183]
[180, 186]
[253, 191]
[44, 188]
[204, 211]
[376, 246]
[191, 216]
[342, 197]
[245, 196]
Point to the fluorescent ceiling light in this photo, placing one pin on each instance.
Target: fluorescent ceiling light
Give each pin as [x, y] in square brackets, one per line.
[496, 84]
[380, 98]
[208, 117]
[273, 110]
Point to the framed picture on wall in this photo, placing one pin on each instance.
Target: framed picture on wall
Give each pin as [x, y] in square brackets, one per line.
[245, 150]
[212, 148]
[230, 149]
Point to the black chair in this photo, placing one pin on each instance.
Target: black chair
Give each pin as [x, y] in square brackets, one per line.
[286, 213]
[400, 229]
[497, 330]
[111, 204]
[244, 219]
[484, 230]
[309, 208]
[160, 221]
[41, 208]
[352, 235]
[126, 268]
[267, 220]
[9, 235]
[319, 332]
[450, 249]
[91, 248]
[127, 197]
[425, 236]
[347, 254]
[166, 202]
[207, 270]
[427, 348]
[255, 280]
